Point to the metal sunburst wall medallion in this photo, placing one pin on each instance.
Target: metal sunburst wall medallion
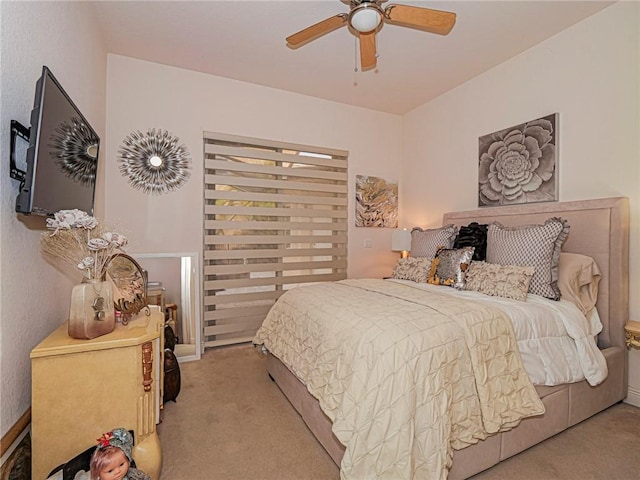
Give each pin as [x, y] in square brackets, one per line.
[154, 162]
[75, 149]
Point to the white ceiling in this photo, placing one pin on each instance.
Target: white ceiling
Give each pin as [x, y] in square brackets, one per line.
[245, 40]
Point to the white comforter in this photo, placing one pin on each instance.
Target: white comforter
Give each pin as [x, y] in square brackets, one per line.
[556, 341]
[405, 375]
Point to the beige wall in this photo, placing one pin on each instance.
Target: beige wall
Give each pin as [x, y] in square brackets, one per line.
[589, 74]
[143, 95]
[34, 296]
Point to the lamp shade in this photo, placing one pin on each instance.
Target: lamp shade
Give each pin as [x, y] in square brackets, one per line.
[401, 240]
[365, 18]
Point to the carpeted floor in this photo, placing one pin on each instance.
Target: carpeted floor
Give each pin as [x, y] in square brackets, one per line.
[231, 422]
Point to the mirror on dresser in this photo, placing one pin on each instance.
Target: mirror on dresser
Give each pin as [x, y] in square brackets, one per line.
[173, 283]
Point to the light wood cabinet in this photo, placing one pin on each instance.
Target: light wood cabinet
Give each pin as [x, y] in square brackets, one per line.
[83, 388]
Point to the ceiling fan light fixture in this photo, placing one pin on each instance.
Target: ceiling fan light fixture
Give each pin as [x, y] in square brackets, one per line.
[365, 17]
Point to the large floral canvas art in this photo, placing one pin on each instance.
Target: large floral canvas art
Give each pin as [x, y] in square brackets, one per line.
[376, 202]
[519, 164]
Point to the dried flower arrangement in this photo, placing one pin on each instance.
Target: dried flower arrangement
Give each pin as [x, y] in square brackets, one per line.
[78, 240]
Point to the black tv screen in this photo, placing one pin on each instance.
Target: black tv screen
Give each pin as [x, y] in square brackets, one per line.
[62, 157]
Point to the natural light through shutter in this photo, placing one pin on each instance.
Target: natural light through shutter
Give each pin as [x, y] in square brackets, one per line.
[275, 217]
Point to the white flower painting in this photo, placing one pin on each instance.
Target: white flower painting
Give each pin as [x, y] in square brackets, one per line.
[519, 164]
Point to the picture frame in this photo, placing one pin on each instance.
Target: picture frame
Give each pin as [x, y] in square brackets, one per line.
[376, 202]
[519, 164]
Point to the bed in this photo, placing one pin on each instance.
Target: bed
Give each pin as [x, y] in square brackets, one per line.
[598, 229]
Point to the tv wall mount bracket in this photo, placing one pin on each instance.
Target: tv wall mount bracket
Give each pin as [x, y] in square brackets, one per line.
[17, 130]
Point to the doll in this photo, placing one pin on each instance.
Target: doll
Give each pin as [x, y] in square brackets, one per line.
[112, 458]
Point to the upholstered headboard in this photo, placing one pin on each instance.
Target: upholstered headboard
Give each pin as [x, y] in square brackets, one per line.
[600, 229]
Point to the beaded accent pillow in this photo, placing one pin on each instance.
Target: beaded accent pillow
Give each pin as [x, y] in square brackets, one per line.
[535, 245]
[412, 268]
[508, 281]
[425, 243]
[449, 267]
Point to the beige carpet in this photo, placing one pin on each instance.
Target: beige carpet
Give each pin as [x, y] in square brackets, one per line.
[232, 422]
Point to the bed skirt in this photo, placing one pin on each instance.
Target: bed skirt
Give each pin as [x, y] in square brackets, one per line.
[566, 405]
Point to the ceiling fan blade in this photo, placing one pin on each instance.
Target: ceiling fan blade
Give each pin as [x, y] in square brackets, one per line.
[314, 31]
[434, 21]
[368, 57]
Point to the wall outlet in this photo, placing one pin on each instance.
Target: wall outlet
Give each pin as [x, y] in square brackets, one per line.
[368, 243]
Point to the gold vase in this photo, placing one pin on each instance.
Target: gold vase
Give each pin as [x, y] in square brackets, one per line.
[92, 312]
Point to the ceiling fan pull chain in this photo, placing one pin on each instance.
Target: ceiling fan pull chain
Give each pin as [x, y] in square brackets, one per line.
[355, 62]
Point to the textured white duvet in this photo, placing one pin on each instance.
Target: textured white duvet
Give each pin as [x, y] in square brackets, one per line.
[405, 375]
[556, 341]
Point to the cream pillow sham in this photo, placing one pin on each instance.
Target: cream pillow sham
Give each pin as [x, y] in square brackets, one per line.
[415, 269]
[508, 281]
[578, 280]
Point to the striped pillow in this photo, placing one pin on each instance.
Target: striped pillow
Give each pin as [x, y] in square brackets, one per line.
[531, 245]
[425, 243]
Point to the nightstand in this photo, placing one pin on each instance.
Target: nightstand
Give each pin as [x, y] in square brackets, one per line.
[632, 333]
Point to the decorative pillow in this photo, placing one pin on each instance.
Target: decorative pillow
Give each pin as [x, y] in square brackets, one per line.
[473, 235]
[535, 245]
[578, 280]
[425, 243]
[508, 281]
[414, 269]
[450, 266]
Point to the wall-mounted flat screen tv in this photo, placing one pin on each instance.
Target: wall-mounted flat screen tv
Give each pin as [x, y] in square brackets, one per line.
[62, 157]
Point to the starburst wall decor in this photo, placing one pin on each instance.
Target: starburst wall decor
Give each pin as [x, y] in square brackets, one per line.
[75, 148]
[154, 162]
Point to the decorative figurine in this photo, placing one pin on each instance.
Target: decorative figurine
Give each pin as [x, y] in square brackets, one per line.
[112, 458]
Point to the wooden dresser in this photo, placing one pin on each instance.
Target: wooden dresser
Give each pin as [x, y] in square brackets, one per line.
[83, 388]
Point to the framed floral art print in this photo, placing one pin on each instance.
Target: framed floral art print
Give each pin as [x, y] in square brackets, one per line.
[376, 202]
[519, 164]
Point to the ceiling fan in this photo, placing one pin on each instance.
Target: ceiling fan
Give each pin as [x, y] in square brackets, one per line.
[366, 17]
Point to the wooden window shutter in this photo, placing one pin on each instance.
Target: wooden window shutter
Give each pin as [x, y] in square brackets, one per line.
[275, 217]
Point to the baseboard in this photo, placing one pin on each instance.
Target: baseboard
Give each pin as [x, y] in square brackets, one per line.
[14, 432]
[633, 396]
[15, 458]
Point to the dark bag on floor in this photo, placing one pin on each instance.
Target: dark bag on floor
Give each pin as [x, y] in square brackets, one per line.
[171, 376]
[169, 339]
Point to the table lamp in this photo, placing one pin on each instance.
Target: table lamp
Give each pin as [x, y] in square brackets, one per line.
[401, 242]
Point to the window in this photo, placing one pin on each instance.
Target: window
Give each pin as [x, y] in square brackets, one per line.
[275, 217]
